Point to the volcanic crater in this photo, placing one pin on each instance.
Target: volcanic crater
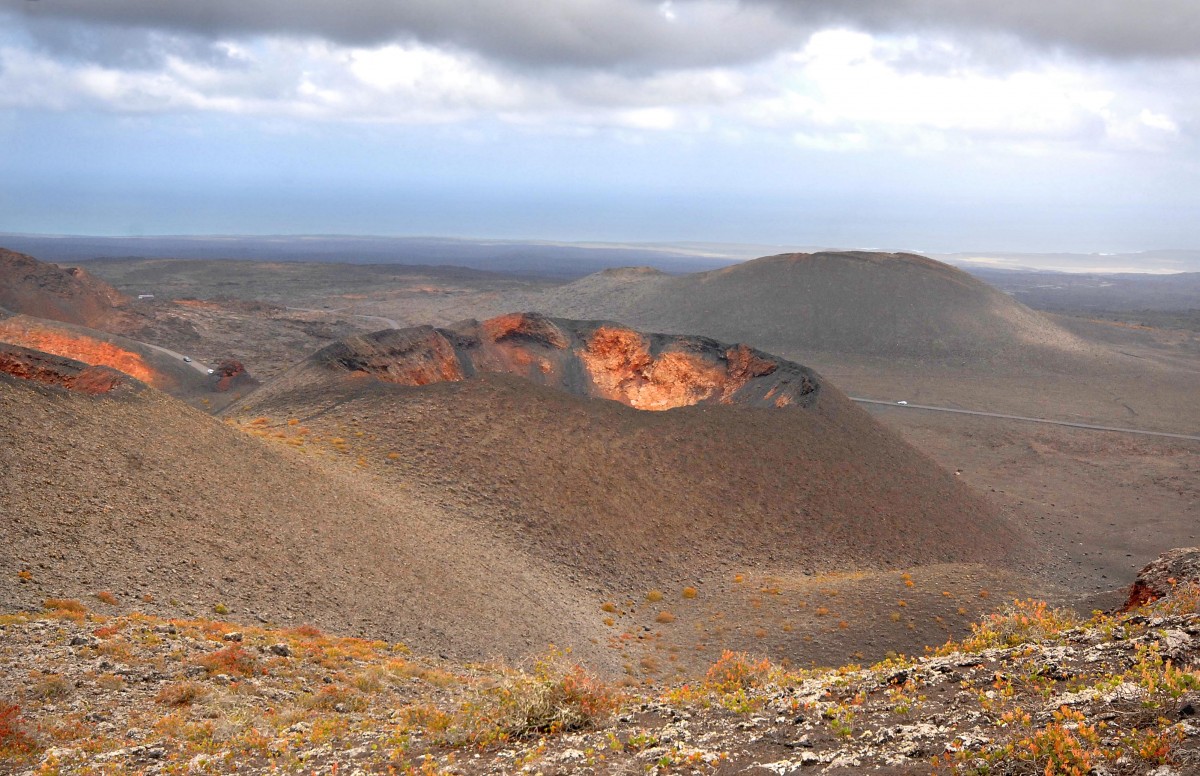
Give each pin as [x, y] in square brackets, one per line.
[587, 358]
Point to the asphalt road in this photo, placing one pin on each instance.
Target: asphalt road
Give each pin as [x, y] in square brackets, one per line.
[201, 368]
[1069, 424]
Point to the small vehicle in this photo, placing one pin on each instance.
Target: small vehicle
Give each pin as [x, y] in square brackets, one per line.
[212, 371]
[187, 359]
[902, 403]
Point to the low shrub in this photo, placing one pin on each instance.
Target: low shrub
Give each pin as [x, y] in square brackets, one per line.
[232, 660]
[736, 671]
[554, 699]
[14, 741]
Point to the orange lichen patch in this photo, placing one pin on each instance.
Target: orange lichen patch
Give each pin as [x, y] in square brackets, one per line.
[81, 348]
[783, 401]
[522, 326]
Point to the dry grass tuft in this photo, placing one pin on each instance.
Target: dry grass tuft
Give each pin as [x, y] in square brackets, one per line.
[181, 693]
[64, 605]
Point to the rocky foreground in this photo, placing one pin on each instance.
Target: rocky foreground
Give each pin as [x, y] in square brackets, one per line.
[1033, 690]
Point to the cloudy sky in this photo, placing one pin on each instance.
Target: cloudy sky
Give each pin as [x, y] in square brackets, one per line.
[935, 125]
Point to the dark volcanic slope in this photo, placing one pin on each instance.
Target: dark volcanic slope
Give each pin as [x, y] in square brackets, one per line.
[42, 290]
[851, 303]
[623, 494]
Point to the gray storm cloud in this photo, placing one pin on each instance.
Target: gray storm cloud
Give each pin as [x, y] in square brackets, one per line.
[641, 34]
[1117, 29]
[527, 33]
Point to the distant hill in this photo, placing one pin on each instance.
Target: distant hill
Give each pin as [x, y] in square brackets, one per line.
[877, 304]
[72, 295]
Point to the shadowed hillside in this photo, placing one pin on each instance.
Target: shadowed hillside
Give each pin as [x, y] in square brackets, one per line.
[852, 303]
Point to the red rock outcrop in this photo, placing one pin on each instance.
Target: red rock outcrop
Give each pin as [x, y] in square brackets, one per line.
[231, 373]
[596, 359]
[35, 366]
[1159, 578]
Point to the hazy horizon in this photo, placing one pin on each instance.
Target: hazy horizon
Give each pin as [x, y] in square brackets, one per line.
[550, 257]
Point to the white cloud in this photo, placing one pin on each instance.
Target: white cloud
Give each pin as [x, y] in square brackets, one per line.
[842, 91]
[1159, 121]
[849, 90]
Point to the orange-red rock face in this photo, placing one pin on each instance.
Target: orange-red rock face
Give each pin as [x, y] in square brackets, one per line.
[622, 368]
[41, 368]
[80, 348]
[644, 371]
